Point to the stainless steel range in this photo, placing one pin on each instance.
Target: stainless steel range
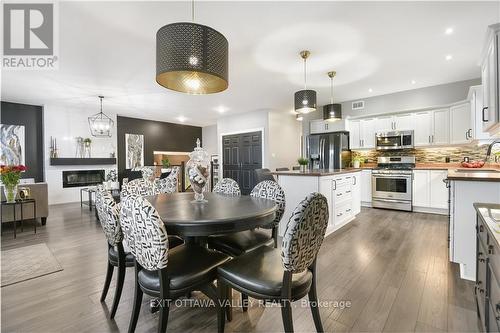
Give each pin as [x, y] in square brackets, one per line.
[392, 183]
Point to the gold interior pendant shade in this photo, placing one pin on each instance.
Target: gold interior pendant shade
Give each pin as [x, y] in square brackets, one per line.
[191, 58]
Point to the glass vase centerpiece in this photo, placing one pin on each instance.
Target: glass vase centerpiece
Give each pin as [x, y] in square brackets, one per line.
[10, 175]
[198, 168]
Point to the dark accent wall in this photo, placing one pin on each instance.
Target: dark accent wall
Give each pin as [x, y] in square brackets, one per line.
[31, 116]
[158, 136]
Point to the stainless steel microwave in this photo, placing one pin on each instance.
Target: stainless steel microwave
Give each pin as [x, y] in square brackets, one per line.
[392, 140]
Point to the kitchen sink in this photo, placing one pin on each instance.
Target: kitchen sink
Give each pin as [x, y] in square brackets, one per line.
[476, 170]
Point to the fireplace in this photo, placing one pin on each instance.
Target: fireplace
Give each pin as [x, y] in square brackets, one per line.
[80, 178]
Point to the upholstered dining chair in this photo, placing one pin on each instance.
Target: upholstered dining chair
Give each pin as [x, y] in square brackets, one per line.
[282, 275]
[238, 243]
[167, 184]
[159, 270]
[227, 186]
[109, 216]
[139, 186]
[263, 174]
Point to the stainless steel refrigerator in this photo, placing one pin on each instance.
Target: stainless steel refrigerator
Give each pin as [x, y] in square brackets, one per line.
[329, 150]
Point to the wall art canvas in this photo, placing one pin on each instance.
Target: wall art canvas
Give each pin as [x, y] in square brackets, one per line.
[134, 150]
[12, 145]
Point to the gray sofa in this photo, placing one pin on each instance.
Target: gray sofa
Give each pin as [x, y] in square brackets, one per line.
[40, 193]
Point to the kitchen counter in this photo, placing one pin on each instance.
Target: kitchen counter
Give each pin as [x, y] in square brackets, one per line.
[475, 174]
[490, 214]
[316, 173]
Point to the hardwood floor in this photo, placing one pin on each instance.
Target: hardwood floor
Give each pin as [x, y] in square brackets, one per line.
[391, 266]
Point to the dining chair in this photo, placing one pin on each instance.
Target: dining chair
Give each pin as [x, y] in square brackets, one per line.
[238, 243]
[227, 186]
[282, 275]
[167, 184]
[263, 174]
[139, 186]
[109, 216]
[159, 270]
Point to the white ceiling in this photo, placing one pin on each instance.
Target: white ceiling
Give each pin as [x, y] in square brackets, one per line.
[109, 48]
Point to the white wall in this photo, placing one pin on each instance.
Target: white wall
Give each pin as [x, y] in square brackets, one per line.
[65, 124]
[284, 140]
[209, 139]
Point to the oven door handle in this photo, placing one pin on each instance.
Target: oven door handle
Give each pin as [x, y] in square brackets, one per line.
[392, 176]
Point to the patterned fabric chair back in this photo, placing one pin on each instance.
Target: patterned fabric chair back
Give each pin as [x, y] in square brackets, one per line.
[109, 216]
[137, 186]
[304, 233]
[144, 232]
[147, 172]
[269, 189]
[169, 183]
[227, 186]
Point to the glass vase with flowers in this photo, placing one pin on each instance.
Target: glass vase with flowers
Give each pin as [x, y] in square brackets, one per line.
[10, 175]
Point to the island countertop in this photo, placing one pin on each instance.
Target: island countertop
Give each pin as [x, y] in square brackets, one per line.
[485, 175]
[316, 172]
[490, 214]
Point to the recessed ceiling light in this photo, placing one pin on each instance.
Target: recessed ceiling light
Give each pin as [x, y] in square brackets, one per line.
[448, 31]
[413, 81]
[370, 90]
[221, 109]
[181, 119]
[449, 57]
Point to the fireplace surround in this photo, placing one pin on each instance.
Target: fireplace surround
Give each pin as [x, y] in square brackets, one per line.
[79, 178]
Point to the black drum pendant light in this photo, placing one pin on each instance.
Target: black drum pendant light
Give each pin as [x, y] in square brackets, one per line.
[332, 111]
[191, 58]
[305, 100]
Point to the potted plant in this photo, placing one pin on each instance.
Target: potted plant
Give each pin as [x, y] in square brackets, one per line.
[10, 175]
[165, 163]
[356, 162]
[303, 162]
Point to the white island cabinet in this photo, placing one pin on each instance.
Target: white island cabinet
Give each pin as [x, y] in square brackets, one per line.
[342, 190]
[467, 189]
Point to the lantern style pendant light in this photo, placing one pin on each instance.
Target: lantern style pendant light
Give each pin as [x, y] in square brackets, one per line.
[332, 111]
[191, 58]
[100, 124]
[305, 100]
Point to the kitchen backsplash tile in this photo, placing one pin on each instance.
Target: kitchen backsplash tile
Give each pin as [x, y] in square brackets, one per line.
[430, 155]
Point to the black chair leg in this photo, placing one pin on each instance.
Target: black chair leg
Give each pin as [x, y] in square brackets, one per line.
[313, 304]
[222, 307]
[164, 311]
[118, 289]
[286, 314]
[244, 302]
[107, 282]
[229, 308]
[137, 306]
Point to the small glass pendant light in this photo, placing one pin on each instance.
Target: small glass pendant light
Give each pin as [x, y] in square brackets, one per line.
[332, 111]
[305, 100]
[100, 124]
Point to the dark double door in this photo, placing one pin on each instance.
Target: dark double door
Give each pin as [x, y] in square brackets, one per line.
[241, 155]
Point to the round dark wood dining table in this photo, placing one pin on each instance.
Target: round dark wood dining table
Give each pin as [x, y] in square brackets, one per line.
[221, 214]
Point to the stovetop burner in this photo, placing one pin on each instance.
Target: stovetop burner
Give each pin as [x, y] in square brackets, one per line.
[395, 163]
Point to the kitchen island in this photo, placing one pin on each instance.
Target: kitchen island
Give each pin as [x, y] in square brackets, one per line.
[467, 187]
[341, 187]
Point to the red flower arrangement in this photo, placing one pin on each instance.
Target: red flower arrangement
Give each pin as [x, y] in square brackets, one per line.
[10, 174]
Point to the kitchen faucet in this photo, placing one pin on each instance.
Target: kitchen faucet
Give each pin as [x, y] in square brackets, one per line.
[490, 147]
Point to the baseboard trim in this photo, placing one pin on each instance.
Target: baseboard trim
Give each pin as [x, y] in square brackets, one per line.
[428, 210]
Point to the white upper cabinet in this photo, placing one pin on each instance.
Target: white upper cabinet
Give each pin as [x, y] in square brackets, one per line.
[423, 128]
[404, 122]
[367, 130]
[490, 78]
[441, 128]
[384, 123]
[475, 99]
[354, 134]
[460, 124]
[316, 126]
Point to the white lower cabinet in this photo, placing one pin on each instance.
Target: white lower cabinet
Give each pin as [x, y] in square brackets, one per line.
[430, 193]
[366, 187]
[343, 193]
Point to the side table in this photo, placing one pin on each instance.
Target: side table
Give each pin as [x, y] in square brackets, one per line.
[14, 210]
[89, 203]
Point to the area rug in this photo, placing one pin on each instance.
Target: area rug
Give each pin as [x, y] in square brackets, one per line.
[26, 263]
